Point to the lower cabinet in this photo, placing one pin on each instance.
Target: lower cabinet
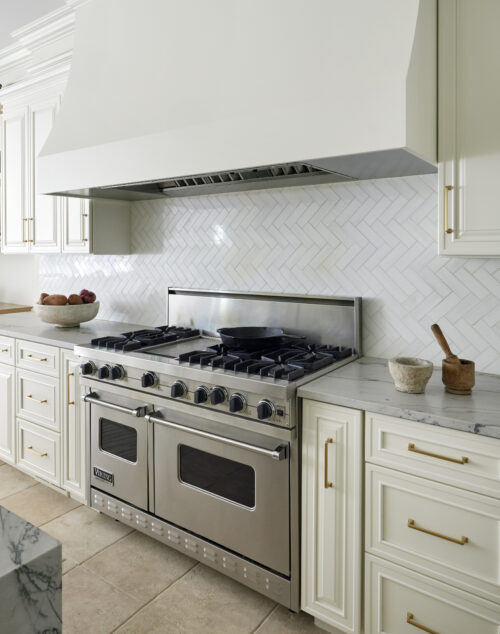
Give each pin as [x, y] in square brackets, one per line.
[7, 417]
[331, 515]
[39, 451]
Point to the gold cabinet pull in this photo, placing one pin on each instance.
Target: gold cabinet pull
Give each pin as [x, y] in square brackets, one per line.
[30, 356]
[447, 190]
[4, 350]
[462, 460]
[84, 239]
[37, 400]
[328, 485]
[38, 453]
[25, 220]
[410, 619]
[461, 542]
[70, 374]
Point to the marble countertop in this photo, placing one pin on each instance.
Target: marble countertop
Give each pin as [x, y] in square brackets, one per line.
[366, 384]
[28, 326]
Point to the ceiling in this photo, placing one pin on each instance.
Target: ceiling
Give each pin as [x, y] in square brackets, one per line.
[17, 13]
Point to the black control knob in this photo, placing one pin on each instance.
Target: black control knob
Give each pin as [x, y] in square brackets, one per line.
[237, 403]
[104, 372]
[217, 395]
[265, 409]
[200, 395]
[178, 389]
[149, 379]
[117, 372]
[88, 368]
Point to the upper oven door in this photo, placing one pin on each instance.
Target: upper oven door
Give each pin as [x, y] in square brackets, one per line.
[119, 447]
[232, 488]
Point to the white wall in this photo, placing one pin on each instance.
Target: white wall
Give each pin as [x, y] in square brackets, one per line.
[19, 279]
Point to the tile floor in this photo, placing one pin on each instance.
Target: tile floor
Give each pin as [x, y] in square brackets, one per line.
[118, 580]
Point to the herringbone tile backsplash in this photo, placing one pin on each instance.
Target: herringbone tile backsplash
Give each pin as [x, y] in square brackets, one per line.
[376, 239]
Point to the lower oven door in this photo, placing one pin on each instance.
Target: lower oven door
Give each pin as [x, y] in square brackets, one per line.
[215, 486]
[119, 448]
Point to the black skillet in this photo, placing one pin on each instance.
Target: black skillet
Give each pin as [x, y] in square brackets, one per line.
[253, 337]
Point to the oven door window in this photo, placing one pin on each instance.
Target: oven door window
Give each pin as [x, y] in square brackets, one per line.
[118, 440]
[219, 476]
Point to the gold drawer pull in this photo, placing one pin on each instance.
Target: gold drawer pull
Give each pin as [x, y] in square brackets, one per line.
[411, 620]
[462, 460]
[68, 388]
[5, 350]
[447, 190]
[37, 400]
[328, 485]
[461, 542]
[38, 453]
[30, 356]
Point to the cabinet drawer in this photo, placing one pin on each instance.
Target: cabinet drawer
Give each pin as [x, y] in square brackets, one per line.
[39, 451]
[37, 398]
[399, 601]
[37, 357]
[433, 528]
[459, 458]
[7, 350]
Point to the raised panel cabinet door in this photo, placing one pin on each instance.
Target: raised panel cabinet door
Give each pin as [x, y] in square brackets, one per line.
[331, 514]
[73, 429]
[469, 142]
[7, 418]
[14, 182]
[44, 223]
[76, 225]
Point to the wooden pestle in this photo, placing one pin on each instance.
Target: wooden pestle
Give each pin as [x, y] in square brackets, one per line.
[450, 357]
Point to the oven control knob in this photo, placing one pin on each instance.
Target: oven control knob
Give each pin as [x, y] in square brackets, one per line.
[237, 403]
[200, 395]
[178, 389]
[217, 395]
[149, 379]
[104, 372]
[265, 409]
[117, 372]
[88, 368]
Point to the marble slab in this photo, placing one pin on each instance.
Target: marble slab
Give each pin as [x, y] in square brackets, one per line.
[30, 578]
[366, 384]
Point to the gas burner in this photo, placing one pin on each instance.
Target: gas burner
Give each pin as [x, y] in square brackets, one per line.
[338, 352]
[136, 339]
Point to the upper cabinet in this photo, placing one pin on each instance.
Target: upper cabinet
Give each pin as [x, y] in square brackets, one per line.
[469, 143]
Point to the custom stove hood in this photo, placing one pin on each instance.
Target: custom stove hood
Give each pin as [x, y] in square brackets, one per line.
[169, 98]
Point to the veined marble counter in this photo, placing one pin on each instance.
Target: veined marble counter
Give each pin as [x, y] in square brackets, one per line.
[28, 326]
[30, 578]
[366, 384]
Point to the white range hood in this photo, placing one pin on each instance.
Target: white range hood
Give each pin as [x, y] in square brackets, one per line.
[170, 97]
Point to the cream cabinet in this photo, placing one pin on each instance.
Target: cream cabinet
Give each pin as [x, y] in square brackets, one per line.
[469, 143]
[331, 515]
[7, 419]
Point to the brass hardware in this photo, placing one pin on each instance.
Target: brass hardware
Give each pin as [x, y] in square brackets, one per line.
[38, 453]
[67, 388]
[25, 220]
[462, 460]
[4, 350]
[447, 190]
[328, 484]
[461, 542]
[411, 620]
[30, 356]
[37, 400]
[30, 231]
[84, 239]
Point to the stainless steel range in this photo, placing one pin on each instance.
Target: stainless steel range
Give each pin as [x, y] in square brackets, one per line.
[196, 442]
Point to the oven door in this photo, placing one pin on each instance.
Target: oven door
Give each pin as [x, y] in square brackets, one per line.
[228, 486]
[119, 447]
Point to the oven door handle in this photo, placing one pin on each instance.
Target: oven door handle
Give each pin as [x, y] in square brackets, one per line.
[279, 453]
[139, 412]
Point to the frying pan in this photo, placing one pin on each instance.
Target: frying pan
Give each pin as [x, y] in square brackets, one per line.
[252, 337]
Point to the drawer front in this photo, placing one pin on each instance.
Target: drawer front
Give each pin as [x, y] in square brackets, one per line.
[458, 458]
[451, 534]
[39, 451]
[37, 357]
[399, 601]
[7, 350]
[37, 399]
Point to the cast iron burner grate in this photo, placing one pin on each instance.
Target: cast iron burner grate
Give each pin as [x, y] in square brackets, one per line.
[137, 339]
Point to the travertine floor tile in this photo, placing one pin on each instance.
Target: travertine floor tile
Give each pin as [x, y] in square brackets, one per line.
[201, 602]
[281, 621]
[83, 532]
[140, 565]
[1, 462]
[68, 564]
[39, 504]
[12, 480]
[90, 605]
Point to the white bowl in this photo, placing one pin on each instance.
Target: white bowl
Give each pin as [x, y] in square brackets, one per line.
[410, 374]
[67, 316]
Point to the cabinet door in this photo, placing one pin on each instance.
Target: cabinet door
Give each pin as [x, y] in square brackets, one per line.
[469, 146]
[7, 420]
[76, 225]
[44, 223]
[331, 514]
[15, 183]
[73, 429]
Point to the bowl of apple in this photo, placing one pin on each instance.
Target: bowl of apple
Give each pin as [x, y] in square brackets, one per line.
[67, 312]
